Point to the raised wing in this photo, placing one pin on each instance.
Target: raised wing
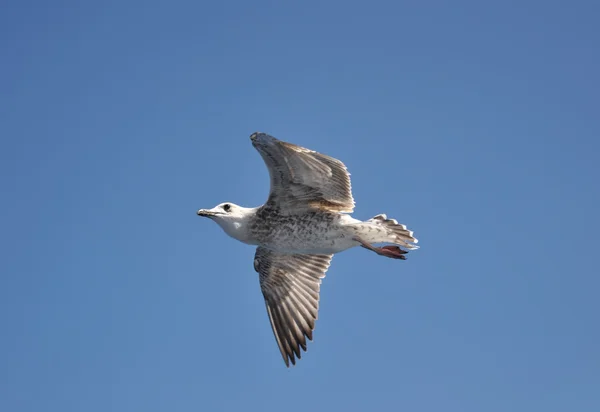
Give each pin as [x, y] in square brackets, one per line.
[290, 285]
[303, 179]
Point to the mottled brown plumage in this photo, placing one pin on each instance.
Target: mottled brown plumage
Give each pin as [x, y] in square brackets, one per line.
[302, 179]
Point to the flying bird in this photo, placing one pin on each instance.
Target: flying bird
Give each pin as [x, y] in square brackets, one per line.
[303, 223]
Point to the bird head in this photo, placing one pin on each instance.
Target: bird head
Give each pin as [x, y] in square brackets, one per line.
[232, 218]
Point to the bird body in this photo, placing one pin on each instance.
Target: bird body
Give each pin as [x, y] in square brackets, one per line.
[297, 231]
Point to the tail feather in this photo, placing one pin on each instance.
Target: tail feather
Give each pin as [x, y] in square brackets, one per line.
[398, 232]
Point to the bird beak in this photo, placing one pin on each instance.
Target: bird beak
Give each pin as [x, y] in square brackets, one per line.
[206, 213]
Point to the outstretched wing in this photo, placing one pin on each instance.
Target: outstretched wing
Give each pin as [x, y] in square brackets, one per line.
[290, 285]
[303, 179]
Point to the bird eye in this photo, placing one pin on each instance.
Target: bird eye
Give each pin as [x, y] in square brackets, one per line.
[227, 207]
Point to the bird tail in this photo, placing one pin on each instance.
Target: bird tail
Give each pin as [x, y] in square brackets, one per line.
[395, 232]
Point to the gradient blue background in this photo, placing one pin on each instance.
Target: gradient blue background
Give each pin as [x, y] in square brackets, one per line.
[475, 123]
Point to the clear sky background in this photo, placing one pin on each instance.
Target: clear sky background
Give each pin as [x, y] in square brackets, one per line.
[474, 123]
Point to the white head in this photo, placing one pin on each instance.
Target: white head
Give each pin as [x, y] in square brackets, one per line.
[232, 218]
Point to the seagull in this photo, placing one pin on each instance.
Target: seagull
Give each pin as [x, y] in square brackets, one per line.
[303, 223]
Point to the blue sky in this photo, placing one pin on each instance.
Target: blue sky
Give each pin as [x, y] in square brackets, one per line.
[474, 123]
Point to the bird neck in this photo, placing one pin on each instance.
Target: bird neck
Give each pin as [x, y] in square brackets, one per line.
[238, 228]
